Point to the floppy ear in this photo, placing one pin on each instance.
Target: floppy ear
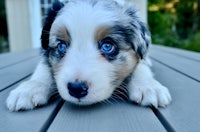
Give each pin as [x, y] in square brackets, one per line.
[52, 13]
[141, 37]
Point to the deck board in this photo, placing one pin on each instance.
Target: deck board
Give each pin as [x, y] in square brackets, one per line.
[8, 59]
[115, 117]
[179, 70]
[186, 66]
[16, 72]
[183, 53]
[183, 114]
[25, 121]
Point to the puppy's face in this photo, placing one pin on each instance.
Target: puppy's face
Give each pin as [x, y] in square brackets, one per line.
[92, 47]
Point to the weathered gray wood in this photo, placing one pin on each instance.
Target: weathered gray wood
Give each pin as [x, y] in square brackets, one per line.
[185, 65]
[8, 59]
[14, 73]
[115, 117]
[184, 53]
[25, 121]
[174, 68]
[183, 114]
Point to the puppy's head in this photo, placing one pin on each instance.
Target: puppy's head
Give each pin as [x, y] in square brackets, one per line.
[92, 47]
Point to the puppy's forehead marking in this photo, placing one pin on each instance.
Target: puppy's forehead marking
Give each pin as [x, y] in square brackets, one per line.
[82, 19]
[120, 34]
[60, 32]
[101, 33]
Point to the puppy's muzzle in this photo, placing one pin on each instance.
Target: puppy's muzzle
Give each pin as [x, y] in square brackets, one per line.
[78, 89]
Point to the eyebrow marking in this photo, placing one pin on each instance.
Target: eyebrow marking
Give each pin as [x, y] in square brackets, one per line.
[61, 33]
[102, 32]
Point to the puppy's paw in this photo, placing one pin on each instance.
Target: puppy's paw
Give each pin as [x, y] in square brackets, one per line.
[152, 93]
[28, 95]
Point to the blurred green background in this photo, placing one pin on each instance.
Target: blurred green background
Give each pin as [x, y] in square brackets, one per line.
[173, 23]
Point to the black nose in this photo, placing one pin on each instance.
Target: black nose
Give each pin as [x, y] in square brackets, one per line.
[78, 89]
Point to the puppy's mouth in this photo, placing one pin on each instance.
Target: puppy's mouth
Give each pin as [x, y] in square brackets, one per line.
[82, 102]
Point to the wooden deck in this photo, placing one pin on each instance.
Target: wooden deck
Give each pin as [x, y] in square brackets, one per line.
[179, 70]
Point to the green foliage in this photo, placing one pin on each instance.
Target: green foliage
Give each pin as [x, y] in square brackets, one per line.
[193, 43]
[174, 26]
[3, 47]
[152, 2]
[185, 18]
[160, 23]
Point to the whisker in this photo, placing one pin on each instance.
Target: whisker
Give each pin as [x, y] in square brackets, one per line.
[120, 93]
[104, 101]
[54, 91]
[117, 97]
[122, 89]
[113, 100]
[107, 101]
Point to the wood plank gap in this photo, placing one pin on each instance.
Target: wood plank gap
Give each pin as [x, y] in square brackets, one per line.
[162, 119]
[16, 82]
[52, 117]
[175, 69]
[185, 56]
[32, 57]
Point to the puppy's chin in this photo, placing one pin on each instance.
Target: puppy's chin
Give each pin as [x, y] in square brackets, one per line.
[89, 99]
[83, 102]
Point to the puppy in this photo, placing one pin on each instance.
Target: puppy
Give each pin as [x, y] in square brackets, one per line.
[88, 49]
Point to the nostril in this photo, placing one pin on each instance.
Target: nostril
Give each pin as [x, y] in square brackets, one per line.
[78, 89]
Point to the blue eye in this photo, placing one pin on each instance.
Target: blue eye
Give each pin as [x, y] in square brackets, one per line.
[107, 48]
[62, 47]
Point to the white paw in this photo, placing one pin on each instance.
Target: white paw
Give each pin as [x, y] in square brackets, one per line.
[27, 95]
[152, 93]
